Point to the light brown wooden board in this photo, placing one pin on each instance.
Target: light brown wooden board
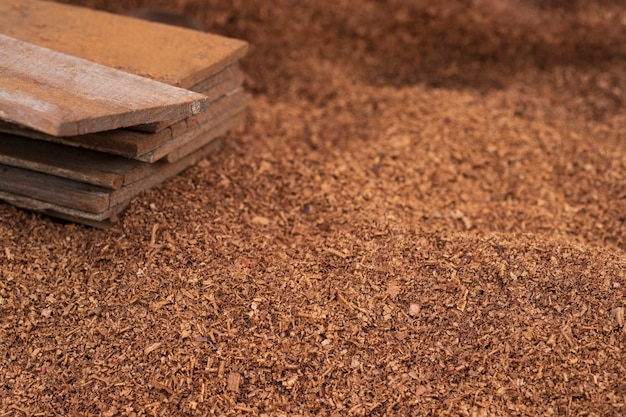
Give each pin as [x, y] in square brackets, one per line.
[173, 55]
[47, 193]
[214, 87]
[62, 95]
[143, 145]
[96, 168]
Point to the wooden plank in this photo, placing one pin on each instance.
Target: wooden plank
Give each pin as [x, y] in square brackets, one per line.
[195, 137]
[77, 164]
[221, 83]
[92, 219]
[54, 189]
[170, 54]
[62, 95]
[200, 139]
[143, 145]
[214, 88]
[50, 192]
[98, 224]
[91, 167]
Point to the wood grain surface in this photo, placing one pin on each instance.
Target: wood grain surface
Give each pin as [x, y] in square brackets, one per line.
[62, 95]
[170, 54]
[84, 165]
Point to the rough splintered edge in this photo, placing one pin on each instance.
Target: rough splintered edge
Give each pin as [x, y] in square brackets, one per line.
[195, 108]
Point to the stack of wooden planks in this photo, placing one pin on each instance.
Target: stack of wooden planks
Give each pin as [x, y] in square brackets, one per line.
[96, 108]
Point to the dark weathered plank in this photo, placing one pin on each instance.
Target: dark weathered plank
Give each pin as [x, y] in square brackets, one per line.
[53, 189]
[93, 219]
[49, 193]
[170, 54]
[143, 145]
[200, 139]
[77, 164]
[97, 168]
[62, 95]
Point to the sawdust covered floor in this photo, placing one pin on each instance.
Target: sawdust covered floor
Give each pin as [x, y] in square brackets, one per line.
[423, 215]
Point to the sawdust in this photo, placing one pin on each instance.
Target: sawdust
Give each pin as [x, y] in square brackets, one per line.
[423, 216]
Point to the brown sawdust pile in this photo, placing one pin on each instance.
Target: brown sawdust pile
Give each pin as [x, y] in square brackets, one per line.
[424, 215]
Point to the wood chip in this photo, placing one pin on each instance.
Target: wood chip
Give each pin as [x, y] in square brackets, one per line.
[414, 310]
[618, 314]
[234, 380]
[152, 348]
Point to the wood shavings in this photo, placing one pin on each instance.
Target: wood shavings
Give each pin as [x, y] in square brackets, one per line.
[618, 315]
[414, 310]
[234, 380]
[361, 293]
[151, 348]
[260, 220]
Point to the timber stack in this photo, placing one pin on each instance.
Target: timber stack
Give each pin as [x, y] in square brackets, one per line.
[96, 108]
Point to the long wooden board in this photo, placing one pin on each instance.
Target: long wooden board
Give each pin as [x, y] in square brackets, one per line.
[62, 95]
[101, 220]
[173, 55]
[78, 164]
[144, 146]
[53, 189]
